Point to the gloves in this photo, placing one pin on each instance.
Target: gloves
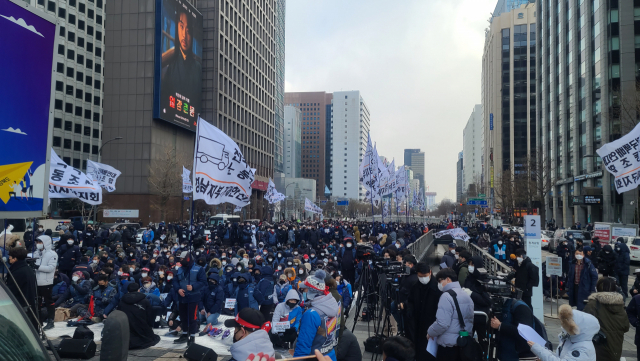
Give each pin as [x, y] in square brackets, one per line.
[36, 266]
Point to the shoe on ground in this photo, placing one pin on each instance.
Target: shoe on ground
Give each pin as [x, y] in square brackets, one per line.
[216, 332]
[226, 334]
[204, 331]
[171, 333]
[184, 338]
[49, 326]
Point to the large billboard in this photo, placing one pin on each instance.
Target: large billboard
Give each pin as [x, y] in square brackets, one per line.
[178, 63]
[26, 90]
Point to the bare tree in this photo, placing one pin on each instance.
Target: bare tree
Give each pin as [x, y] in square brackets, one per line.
[165, 179]
[625, 110]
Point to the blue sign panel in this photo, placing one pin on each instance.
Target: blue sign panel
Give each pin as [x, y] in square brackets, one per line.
[491, 121]
[477, 203]
[343, 203]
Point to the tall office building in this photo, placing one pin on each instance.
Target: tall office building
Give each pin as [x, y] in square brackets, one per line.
[508, 91]
[588, 61]
[350, 127]
[460, 192]
[79, 78]
[328, 159]
[239, 90]
[279, 87]
[472, 149]
[414, 159]
[292, 142]
[313, 106]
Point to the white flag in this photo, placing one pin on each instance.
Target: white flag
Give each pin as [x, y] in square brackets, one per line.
[622, 159]
[311, 207]
[390, 183]
[273, 196]
[237, 209]
[187, 187]
[368, 177]
[401, 184]
[221, 173]
[103, 174]
[68, 182]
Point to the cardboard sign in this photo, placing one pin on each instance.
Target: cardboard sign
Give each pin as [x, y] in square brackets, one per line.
[281, 326]
[230, 303]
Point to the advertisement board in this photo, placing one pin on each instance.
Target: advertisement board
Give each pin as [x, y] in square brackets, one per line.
[121, 213]
[624, 231]
[26, 90]
[178, 63]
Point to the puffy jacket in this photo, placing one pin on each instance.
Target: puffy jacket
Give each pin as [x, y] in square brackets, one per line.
[196, 277]
[447, 325]
[321, 315]
[576, 344]
[623, 262]
[257, 341]
[264, 289]
[102, 298]
[47, 259]
[608, 308]
[588, 280]
[68, 256]
[78, 293]
[214, 296]
[246, 292]
[284, 313]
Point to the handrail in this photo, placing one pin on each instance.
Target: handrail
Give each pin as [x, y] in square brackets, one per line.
[420, 247]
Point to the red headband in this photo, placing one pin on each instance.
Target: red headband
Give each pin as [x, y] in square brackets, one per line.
[245, 323]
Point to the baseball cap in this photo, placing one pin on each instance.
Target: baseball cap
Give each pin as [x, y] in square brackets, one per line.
[452, 245]
[247, 318]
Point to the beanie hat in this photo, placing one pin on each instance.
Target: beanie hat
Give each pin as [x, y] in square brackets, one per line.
[587, 249]
[315, 284]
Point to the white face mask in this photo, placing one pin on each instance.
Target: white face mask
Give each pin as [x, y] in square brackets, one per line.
[453, 251]
[579, 257]
[144, 274]
[70, 242]
[130, 254]
[239, 269]
[169, 278]
[471, 269]
[95, 261]
[349, 244]
[457, 256]
[161, 273]
[147, 285]
[500, 243]
[301, 272]
[326, 260]
[295, 253]
[279, 268]
[119, 273]
[177, 268]
[75, 278]
[40, 246]
[424, 280]
[520, 259]
[440, 287]
[224, 263]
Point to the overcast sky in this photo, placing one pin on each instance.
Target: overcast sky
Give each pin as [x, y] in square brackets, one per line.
[417, 64]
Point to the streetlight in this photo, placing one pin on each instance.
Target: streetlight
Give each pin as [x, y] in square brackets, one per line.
[107, 142]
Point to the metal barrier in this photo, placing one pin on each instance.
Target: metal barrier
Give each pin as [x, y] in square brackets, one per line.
[491, 264]
[422, 246]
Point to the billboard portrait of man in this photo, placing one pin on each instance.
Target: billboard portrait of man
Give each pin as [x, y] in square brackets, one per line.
[181, 59]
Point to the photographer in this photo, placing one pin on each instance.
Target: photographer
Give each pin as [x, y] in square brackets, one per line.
[527, 275]
[46, 261]
[421, 308]
[511, 346]
[407, 283]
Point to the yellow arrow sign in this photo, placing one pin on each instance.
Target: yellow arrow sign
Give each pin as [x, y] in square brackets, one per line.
[9, 174]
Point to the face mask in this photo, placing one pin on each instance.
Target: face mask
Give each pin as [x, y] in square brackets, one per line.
[279, 268]
[144, 274]
[119, 273]
[313, 256]
[147, 285]
[295, 253]
[95, 261]
[424, 280]
[326, 260]
[70, 242]
[301, 272]
[102, 287]
[279, 255]
[283, 282]
[265, 253]
[440, 287]
[224, 263]
[349, 244]
[169, 278]
[212, 284]
[471, 269]
[270, 259]
[520, 259]
[39, 246]
[500, 243]
[453, 251]
[177, 268]
[75, 278]
[239, 269]
[40, 229]
[579, 257]
[457, 256]
[160, 273]
[607, 252]
[292, 305]
[234, 338]
[289, 263]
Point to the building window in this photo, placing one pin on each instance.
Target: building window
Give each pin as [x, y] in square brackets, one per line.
[76, 162]
[96, 134]
[94, 149]
[70, 72]
[87, 114]
[58, 104]
[67, 144]
[60, 68]
[87, 131]
[57, 123]
[57, 141]
[87, 97]
[79, 76]
[79, 94]
[76, 146]
[78, 112]
[86, 147]
[60, 49]
[62, 13]
[68, 108]
[66, 160]
[81, 25]
[72, 19]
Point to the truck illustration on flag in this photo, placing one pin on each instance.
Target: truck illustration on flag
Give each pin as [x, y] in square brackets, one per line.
[211, 151]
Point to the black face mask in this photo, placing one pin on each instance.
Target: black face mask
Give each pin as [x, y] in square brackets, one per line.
[102, 287]
[212, 284]
[283, 282]
[292, 305]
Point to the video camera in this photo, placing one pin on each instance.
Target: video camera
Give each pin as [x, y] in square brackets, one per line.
[499, 289]
[364, 251]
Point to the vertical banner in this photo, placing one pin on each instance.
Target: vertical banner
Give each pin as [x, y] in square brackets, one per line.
[221, 172]
[533, 246]
[26, 89]
[187, 186]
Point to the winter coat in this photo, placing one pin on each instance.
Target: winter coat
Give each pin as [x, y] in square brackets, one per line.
[47, 259]
[588, 280]
[140, 315]
[448, 259]
[526, 276]
[633, 314]
[447, 326]
[255, 342]
[78, 293]
[68, 257]
[348, 348]
[214, 296]
[576, 344]
[197, 278]
[421, 308]
[264, 289]
[323, 308]
[25, 281]
[284, 313]
[607, 261]
[608, 308]
[463, 272]
[246, 292]
[102, 298]
[623, 260]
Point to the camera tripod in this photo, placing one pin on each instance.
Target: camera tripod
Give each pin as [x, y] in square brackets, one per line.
[366, 289]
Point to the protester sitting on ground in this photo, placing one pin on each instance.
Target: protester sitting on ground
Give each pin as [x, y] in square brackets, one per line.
[249, 337]
[397, 348]
[140, 315]
[348, 348]
[289, 311]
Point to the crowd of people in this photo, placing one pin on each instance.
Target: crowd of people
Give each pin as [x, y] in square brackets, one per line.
[291, 286]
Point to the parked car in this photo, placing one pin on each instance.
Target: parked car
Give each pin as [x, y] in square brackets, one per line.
[139, 236]
[561, 234]
[545, 236]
